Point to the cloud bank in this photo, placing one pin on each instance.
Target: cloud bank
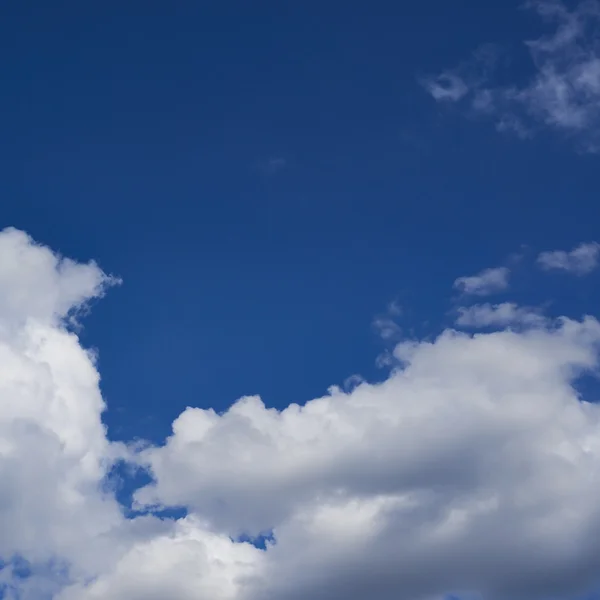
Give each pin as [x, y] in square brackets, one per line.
[472, 470]
[563, 91]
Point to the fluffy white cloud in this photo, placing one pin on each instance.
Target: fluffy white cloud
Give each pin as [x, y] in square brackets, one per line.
[497, 315]
[37, 284]
[581, 260]
[564, 91]
[484, 283]
[187, 562]
[53, 448]
[474, 468]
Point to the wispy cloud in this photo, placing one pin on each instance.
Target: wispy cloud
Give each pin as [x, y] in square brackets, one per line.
[446, 86]
[484, 283]
[581, 260]
[386, 326]
[498, 315]
[563, 93]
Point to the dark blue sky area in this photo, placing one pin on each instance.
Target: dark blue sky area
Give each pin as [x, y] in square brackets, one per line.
[265, 177]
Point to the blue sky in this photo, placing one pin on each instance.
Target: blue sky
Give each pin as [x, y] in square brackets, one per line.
[282, 185]
[141, 136]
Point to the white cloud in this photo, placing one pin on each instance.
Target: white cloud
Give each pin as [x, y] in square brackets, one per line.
[497, 315]
[581, 260]
[53, 448]
[484, 283]
[467, 470]
[563, 92]
[186, 562]
[37, 284]
[473, 468]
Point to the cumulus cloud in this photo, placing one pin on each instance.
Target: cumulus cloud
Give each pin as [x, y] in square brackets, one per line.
[469, 469]
[563, 92]
[53, 448]
[473, 468]
[581, 260]
[37, 284]
[497, 315]
[186, 562]
[484, 283]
